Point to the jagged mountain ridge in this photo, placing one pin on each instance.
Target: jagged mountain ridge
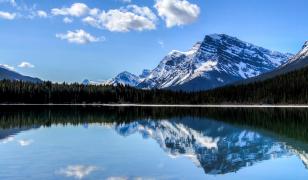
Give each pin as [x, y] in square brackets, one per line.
[216, 61]
[124, 78]
[299, 61]
[8, 74]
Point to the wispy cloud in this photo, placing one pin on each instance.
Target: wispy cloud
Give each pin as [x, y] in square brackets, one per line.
[77, 171]
[161, 43]
[67, 20]
[42, 14]
[7, 15]
[26, 64]
[79, 37]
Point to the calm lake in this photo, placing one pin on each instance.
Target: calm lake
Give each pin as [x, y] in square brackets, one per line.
[116, 143]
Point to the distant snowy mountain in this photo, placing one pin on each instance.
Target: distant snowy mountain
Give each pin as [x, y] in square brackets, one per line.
[124, 78]
[9, 74]
[90, 82]
[218, 60]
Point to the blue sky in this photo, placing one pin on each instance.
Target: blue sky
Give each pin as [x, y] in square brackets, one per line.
[68, 40]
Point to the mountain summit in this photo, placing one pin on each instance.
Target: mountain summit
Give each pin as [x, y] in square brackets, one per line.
[216, 61]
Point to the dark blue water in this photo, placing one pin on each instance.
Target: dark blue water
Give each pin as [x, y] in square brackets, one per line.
[82, 144]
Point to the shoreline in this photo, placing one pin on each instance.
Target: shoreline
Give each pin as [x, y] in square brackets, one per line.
[172, 105]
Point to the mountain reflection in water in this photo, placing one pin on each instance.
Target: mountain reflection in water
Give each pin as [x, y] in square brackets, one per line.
[216, 147]
[220, 141]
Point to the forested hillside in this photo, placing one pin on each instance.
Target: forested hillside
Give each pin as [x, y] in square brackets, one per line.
[291, 88]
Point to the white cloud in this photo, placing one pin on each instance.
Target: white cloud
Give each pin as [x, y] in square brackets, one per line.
[67, 20]
[79, 37]
[77, 10]
[25, 142]
[7, 15]
[77, 171]
[42, 14]
[124, 19]
[8, 67]
[177, 12]
[25, 64]
[143, 11]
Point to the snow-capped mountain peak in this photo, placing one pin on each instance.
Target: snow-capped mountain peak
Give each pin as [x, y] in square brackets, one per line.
[124, 78]
[218, 60]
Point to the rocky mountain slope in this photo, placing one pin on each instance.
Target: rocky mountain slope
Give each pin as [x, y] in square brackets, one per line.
[8, 74]
[299, 61]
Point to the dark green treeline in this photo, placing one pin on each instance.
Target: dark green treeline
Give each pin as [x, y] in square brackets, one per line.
[291, 88]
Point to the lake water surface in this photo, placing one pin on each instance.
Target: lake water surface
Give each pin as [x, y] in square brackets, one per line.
[113, 143]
